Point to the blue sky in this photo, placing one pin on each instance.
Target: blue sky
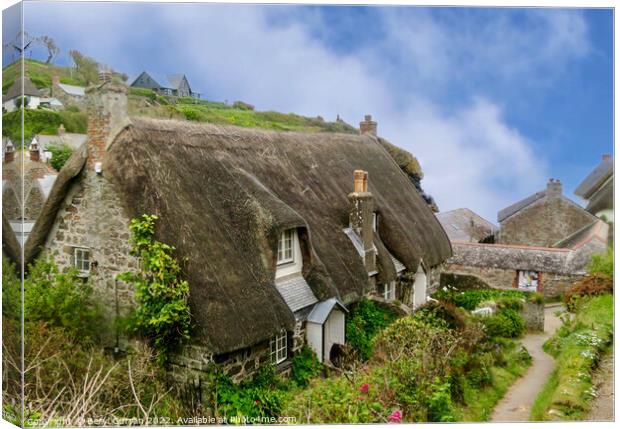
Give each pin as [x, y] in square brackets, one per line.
[493, 102]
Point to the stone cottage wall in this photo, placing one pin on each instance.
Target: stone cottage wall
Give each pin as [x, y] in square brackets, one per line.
[544, 223]
[554, 285]
[92, 217]
[196, 360]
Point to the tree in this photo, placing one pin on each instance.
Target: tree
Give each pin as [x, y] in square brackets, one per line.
[86, 67]
[50, 45]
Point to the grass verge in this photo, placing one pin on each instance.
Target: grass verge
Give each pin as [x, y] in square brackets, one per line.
[577, 347]
[480, 402]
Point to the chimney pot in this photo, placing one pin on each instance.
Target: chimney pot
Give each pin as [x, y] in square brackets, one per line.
[606, 157]
[358, 181]
[365, 187]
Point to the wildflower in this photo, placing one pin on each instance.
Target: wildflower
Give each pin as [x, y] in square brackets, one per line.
[360, 398]
[395, 417]
[257, 402]
[364, 388]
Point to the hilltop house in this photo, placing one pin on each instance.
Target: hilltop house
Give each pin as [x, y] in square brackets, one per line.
[68, 94]
[465, 225]
[277, 233]
[598, 189]
[542, 219]
[175, 84]
[33, 98]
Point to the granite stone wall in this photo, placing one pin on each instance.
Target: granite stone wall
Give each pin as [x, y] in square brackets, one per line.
[534, 315]
[544, 223]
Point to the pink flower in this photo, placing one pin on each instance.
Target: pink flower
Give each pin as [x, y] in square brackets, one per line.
[364, 388]
[360, 398]
[395, 417]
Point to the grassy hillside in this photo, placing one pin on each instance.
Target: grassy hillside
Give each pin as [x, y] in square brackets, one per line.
[39, 73]
[144, 102]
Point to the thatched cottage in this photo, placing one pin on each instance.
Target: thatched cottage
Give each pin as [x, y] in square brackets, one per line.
[278, 233]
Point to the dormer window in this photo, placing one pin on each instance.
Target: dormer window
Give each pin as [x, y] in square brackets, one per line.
[286, 253]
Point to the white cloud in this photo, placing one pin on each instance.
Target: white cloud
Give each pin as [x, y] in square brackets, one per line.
[471, 156]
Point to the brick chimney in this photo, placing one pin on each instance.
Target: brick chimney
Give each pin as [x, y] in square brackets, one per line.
[34, 149]
[360, 217]
[554, 188]
[368, 126]
[107, 115]
[9, 152]
[606, 157]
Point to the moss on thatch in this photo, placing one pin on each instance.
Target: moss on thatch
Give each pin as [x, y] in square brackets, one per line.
[223, 194]
[405, 160]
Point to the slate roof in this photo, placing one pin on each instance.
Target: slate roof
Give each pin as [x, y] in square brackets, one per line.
[595, 179]
[519, 205]
[595, 229]
[78, 91]
[458, 225]
[73, 140]
[296, 292]
[321, 311]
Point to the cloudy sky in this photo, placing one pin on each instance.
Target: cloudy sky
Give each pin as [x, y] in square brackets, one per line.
[493, 102]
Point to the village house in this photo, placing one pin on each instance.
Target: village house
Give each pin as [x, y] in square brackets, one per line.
[24, 171]
[544, 244]
[597, 189]
[277, 233]
[68, 94]
[542, 219]
[465, 225]
[32, 97]
[175, 84]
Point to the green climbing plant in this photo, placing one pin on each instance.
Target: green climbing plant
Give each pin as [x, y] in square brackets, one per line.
[162, 315]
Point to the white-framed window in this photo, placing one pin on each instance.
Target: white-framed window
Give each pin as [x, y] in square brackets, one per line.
[375, 221]
[278, 347]
[286, 252]
[81, 260]
[387, 290]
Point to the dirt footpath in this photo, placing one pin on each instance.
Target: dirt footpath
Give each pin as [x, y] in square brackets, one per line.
[603, 381]
[517, 403]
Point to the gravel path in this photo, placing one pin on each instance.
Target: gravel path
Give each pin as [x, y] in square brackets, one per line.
[517, 403]
[603, 380]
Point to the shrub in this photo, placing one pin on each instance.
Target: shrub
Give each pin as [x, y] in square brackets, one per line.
[62, 299]
[602, 263]
[592, 285]
[73, 121]
[443, 313]
[440, 408]
[366, 319]
[507, 323]
[162, 315]
[470, 299]
[60, 154]
[36, 121]
[242, 106]
[305, 366]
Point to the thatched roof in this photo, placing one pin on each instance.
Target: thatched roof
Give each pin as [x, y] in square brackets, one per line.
[223, 195]
[47, 216]
[20, 88]
[10, 246]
